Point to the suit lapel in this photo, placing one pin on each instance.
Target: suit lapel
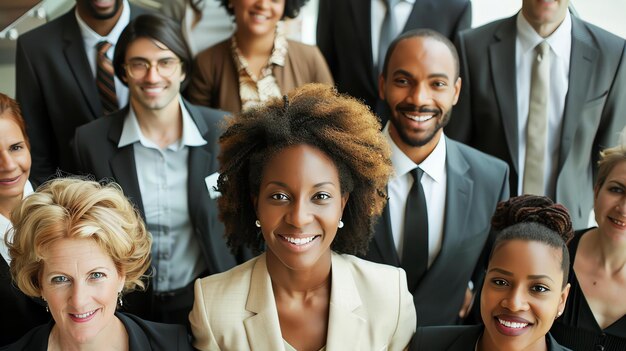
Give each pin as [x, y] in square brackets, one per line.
[582, 62]
[263, 328]
[459, 191]
[347, 322]
[502, 63]
[74, 51]
[383, 239]
[123, 162]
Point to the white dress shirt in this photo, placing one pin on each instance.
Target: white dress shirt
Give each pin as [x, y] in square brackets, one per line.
[378, 10]
[560, 47]
[5, 225]
[91, 40]
[434, 185]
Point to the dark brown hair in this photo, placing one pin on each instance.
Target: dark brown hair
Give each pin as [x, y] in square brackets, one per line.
[316, 115]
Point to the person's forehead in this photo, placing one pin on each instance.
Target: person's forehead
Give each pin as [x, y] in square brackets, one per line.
[421, 51]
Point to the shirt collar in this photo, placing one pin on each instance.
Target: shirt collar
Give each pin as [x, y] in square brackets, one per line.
[434, 165]
[131, 132]
[92, 38]
[560, 41]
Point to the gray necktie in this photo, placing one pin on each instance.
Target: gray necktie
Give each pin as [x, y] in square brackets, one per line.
[387, 32]
[537, 125]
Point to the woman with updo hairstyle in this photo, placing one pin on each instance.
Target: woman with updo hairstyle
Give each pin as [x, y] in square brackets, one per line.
[595, 314]
[257, 63]
[302, 179]
[525, 287]
[80, 246]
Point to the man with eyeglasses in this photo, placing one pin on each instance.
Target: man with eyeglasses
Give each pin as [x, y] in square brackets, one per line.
[162, 150]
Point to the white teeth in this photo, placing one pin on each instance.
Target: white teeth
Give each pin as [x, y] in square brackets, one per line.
[513, 325]
[299, 241]
[620, 223]
[420, 118]
[84, 315]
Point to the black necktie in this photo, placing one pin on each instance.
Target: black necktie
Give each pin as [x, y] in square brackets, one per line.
[415, 250]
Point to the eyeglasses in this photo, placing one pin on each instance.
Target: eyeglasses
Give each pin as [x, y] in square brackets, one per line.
[138, 69]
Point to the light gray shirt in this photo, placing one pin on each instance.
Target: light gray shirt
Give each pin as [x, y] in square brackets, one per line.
[162, 175]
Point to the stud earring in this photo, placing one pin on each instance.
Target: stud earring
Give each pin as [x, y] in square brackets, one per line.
[119, 299]
[257, 223]
[340, 225]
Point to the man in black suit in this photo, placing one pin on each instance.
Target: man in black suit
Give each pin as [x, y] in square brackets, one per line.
[163, 152]
[460, 186]
[348, 34]
[586, 99]
[56, 79]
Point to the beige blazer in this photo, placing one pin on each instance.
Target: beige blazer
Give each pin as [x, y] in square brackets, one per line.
[370, 308]
[215, 82]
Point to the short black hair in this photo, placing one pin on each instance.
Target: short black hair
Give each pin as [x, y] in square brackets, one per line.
[158, 28]
[292, 7]
[423, 33]
[534, 218]
[315, 114]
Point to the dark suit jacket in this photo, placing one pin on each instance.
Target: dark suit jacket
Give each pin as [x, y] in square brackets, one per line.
[56, 90]
[486, 114]
[344, 37]
[142, 335]
[476, 183]
[20, 313]
[96, 151]
[459, 338]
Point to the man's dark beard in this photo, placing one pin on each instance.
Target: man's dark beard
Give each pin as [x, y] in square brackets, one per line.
[443, 121]
[104, 16]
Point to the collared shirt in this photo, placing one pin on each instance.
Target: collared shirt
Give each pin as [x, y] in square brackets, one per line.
[162, 175]
[255, 90]
[402, 12]
[560, 48]
[91, 40]
[5, 225]
[434, 185]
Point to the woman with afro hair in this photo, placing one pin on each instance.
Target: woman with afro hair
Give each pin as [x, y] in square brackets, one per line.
[302, 179]
[257, 62]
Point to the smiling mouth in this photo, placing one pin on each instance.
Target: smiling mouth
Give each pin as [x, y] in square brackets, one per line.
[298, 241]
[617, 222]
[418, 118]
[513, 325]
[9, 180]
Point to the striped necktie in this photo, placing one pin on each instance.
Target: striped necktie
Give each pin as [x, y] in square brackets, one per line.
[104, 79]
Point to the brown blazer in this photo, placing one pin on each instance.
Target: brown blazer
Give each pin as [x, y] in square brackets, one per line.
[215, 83]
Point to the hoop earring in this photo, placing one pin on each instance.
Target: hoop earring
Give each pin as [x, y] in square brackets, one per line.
[257, 223]
[340, 225]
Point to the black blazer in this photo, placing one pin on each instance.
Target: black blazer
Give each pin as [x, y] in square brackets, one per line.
[56, 90]
[142, 335]
[486, 115]
[458, 338]
[475, 184]
[20, 313]
[344, 37]
[96, 153]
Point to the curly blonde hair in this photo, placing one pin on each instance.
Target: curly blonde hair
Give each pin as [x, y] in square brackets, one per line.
[316, 115]
[72, 208]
